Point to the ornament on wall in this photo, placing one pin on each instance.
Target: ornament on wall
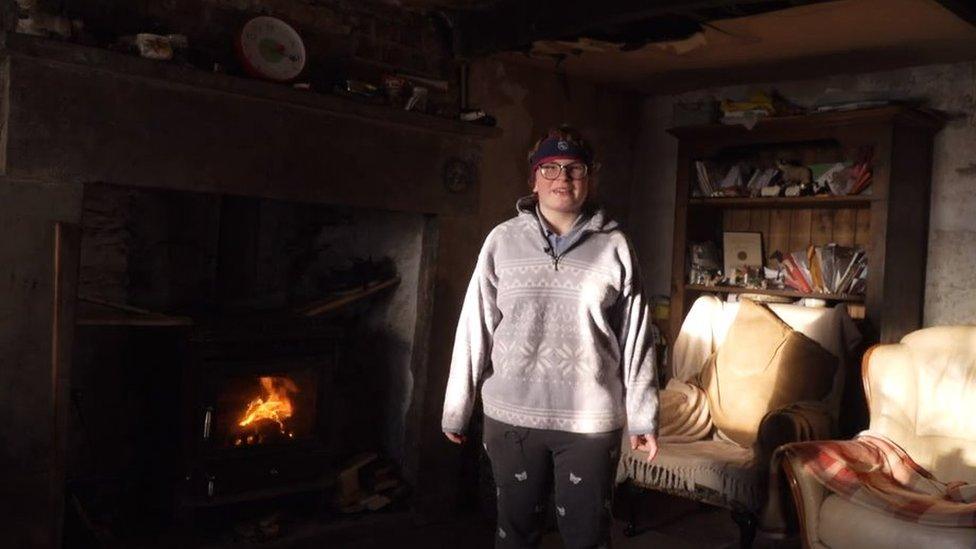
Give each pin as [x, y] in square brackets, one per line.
[271, 49]
[459, 175]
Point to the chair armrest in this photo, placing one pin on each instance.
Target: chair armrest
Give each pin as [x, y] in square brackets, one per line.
[808, 496]
[798, 422]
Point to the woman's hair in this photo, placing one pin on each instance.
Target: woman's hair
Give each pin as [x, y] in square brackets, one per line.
[565, 133]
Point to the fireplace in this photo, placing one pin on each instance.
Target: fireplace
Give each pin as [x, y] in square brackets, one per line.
[182, 130]
[296, 349]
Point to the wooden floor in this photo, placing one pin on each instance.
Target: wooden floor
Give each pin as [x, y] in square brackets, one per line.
[665, 523]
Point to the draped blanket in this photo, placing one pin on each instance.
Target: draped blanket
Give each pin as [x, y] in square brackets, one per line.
[874, 472]
[690, 462]
[712, 471]
[684, 413]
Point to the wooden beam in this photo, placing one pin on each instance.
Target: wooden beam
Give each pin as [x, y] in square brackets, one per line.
[516, 24]
[964, 9]
[326, 305]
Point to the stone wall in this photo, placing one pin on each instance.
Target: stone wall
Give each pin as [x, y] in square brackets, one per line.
[343, 38]
[950, 295]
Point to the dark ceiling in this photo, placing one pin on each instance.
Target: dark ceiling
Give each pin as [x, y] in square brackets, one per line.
[509, 25]
[669, 45]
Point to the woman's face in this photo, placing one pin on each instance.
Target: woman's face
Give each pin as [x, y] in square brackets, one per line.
[564, 193]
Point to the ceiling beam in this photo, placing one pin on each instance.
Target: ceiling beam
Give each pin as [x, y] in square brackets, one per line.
[515, 24]
[964, 9]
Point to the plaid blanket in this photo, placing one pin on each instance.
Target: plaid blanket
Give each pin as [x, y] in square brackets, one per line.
[873, 471]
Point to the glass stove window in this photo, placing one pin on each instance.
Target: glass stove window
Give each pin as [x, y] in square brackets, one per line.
[265, 409]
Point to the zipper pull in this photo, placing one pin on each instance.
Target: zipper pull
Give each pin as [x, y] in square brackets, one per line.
[555, 263]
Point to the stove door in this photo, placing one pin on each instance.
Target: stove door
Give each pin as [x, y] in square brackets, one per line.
[262, 405]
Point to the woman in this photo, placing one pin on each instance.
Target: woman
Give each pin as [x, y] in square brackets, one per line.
[555, 324]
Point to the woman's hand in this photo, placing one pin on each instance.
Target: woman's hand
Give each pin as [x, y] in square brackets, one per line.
[647, 443]
[456, 438]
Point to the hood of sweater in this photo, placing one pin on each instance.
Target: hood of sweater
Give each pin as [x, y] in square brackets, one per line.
[597, 222]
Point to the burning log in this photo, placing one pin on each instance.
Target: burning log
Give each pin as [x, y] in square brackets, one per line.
[276, 406]
[273, 407]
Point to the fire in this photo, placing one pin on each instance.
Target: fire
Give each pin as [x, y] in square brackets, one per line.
[275, 405]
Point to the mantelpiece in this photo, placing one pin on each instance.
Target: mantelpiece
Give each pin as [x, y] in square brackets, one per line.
[77, 114]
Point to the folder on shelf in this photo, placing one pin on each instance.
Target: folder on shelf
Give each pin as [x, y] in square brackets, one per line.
[816, 272]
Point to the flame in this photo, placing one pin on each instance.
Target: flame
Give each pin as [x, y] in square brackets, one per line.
[274, 406]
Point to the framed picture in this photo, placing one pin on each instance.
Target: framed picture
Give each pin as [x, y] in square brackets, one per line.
[742, 250]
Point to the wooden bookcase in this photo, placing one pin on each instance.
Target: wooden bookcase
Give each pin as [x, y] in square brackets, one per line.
[889, 220]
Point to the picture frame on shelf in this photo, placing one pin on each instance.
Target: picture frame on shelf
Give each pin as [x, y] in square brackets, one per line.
[741, 250]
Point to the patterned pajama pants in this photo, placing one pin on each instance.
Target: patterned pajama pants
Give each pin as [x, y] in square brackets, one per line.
[579, 467]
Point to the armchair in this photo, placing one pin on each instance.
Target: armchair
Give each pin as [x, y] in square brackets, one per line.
[729, 466]
[921, 393]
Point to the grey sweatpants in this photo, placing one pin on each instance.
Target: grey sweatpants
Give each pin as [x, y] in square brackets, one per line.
[579, 467]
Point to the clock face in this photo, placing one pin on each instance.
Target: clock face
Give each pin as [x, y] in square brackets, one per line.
[272, 49]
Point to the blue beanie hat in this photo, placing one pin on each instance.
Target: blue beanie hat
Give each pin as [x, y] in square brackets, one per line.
[555, 147]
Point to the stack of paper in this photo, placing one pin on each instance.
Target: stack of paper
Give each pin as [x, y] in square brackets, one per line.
[829, 269]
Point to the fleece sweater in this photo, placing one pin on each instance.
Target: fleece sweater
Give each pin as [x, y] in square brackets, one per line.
[556, 341]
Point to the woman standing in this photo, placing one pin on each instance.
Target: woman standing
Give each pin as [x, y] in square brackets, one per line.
[555, 325]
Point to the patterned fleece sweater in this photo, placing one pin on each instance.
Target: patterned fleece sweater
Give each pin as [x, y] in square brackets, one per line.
[559, 342]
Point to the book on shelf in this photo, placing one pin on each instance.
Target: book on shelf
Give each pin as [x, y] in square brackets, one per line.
[853, 270]
[814, 255]
[733, 178]
[860, 177]
[793, 275]
[828, 265]
[704, 180]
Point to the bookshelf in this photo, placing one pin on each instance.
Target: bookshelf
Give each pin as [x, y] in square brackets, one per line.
[889, 220]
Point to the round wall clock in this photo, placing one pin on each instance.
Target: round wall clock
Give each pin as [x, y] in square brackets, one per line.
[270, 48]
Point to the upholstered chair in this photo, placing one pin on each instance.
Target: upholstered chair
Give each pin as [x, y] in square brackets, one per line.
[921, 393]
[745, 378]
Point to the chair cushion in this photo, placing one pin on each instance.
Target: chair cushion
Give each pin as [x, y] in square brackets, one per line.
[848, 525]
[763, 365]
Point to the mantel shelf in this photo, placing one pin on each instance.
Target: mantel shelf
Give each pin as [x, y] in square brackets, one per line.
[172, 75]
[783, 293]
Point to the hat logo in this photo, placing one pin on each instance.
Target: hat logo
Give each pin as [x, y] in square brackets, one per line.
[562, 145]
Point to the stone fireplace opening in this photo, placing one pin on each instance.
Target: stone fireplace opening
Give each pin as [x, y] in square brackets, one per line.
[237, 350]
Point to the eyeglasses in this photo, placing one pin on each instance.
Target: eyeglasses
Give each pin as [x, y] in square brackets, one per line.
[553, 170]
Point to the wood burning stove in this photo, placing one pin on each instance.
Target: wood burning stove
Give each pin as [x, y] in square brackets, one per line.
[258, 419]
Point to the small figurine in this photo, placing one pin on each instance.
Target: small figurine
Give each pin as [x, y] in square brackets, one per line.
[797, 179]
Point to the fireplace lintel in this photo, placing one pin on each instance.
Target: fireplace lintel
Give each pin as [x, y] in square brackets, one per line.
[80, 114]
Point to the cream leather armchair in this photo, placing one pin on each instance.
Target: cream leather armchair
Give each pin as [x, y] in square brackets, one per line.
[922, 395]
[694, 462]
